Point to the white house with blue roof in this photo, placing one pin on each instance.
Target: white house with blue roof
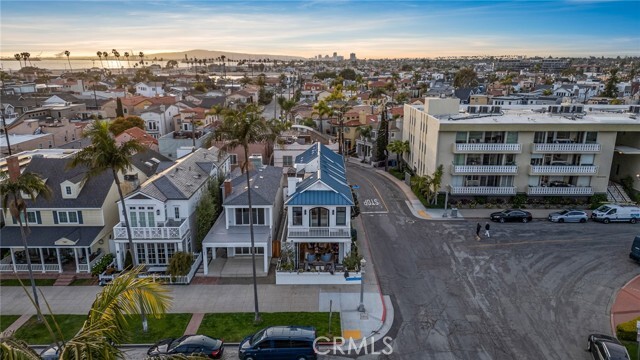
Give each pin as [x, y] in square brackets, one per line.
[318, 216]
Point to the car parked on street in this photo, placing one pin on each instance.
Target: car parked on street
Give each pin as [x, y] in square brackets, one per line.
[511, 215]
[569, 215]
[279, 342]
[603, 347]
[188, 345]
[616, 213]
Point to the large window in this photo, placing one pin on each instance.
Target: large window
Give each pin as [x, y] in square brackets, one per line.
[341, 216]
[287, 160]
[242, 216]
[297, 215]
[142, 216]
[67, 217]
[319, 217]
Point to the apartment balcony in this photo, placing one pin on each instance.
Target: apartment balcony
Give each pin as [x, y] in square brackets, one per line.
[563, 170]
[483, 169]
[483, 148]
[565, 148]
[318, 232]
[483, 190]
[171, 229]
[560, 191]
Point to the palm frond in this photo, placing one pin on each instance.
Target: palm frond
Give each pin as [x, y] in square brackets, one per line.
[14, 349]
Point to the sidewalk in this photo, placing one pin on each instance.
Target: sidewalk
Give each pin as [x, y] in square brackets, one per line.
[627, 303]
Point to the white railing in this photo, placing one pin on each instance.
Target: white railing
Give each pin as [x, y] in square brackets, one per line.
[484, 169]
[566, 148]
[563, 169]
[34, 267]
[487, 147]
[319, 232]
[83, 268]
[94, 261]
[160, 232]
[573, 190]
[483, 190]
[109, 277]
[186, 279]
[6, 267]
[51, 267]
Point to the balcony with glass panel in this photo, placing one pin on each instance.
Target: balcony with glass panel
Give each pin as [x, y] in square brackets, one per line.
[487, 142]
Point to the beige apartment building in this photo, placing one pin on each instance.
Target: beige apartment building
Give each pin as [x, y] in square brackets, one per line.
[543, 150]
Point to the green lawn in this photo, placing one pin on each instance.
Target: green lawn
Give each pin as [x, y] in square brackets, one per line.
[632, 348]
[233, 327]
[171, 325]
[36, 334]
[27, 282]
[84, 282]
[6, 320]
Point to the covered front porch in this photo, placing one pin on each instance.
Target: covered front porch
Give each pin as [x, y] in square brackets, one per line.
[152, 252]
[51, 250]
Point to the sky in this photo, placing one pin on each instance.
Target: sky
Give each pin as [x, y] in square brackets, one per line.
[371, 29]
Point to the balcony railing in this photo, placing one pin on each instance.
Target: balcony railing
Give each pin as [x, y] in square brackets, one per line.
[487, 147]
[34, 267]
[565, 148]
[573, 190]
[84, 268]
[159, 232]
[483, 169]
[563, 170]
[319, 232]
[483, 190]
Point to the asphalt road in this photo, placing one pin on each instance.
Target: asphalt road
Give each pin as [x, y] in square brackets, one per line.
[531, 291]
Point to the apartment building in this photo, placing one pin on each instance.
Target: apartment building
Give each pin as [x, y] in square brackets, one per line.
[488, 150]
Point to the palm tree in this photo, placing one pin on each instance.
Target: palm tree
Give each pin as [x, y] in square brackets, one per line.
[105, 55]
[107, 321]
[224, 68]
[19, 58]
[399, 147]
[365, 133]
[99, 53]
[12, 190]
[25, 57]
[117, 56]
[67, 52]
[141, 56]
[126, 56]
[241, 128]
[322, 108]
[105, 154]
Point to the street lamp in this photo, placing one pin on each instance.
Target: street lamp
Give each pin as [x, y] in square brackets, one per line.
[363, 263]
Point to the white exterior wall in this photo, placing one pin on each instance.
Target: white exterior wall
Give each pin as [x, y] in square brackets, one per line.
[307, 208]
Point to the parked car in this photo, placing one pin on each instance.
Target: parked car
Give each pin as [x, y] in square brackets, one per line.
[511, 215]
[201, 345]
[635, 249]
[569, 215]
[50, 353]
[279, 342]
[612, 212]
[603, 347]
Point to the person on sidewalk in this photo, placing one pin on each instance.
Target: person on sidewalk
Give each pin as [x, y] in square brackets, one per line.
[478, 228]
[486, 230]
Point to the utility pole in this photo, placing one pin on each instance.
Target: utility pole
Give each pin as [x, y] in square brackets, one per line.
[6, 132]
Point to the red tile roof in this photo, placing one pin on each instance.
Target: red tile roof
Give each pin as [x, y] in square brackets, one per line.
[140, 135]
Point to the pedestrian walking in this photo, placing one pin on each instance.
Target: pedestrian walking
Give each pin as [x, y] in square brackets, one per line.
[478, 228]
[486, 230]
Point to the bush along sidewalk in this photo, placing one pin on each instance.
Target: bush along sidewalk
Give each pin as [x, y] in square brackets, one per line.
[626, 332]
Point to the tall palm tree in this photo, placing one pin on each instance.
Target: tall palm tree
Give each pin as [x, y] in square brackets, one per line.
[19, 58]
[322, 108]
[106, 324]
[105, 55]
[11, 191]
[365, 133]
[141, 56]
[117, 56]
[224, 67]
[241, 128]
[105, 154]
[126, 56]
[25, 57]
[67, 52]
[99, 53]
[399, 147]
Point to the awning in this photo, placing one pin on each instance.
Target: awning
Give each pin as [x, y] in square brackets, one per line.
[50, 236]
[626, 150]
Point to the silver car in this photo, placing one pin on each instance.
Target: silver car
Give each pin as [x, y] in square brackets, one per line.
[569, 216]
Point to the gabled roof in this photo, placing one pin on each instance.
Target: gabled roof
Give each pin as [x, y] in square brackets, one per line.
[149, 161]
[265, 184]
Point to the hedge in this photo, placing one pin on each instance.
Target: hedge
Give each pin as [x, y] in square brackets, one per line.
[627, 331]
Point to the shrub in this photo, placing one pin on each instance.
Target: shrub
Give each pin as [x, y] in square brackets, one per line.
[352, 261]
[128, 260]
[101, 265]
[481, 200]
[519, 200]
[180, 263]
[627, 330]
[597, 199]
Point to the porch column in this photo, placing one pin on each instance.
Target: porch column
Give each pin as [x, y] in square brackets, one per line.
[118, 256]
[13, 260]
[41, 259]
[75, 256]
[59, 261]
[341, 250]
[266, 259]
[205, 259]
[88, 260]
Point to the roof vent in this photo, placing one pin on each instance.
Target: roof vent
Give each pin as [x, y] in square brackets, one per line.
[148, 164]
[155, 160]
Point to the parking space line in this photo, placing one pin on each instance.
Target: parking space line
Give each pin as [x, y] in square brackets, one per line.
[533, 242]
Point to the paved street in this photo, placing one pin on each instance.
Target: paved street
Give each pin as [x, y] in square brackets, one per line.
[531, 291]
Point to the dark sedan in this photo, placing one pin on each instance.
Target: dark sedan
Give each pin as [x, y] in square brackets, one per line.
[606, 348]
[189, 345]
[511, 215]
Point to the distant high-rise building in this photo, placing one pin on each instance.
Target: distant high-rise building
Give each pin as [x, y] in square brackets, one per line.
[335, 55]
[340, 58]
[319, 56]
[352, 57]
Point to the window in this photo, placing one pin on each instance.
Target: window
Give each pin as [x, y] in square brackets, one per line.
[67, 189]
[242, 216]
[140, 251]
[512, 137]
[341, 216]
[233, 158]
[319, 217]
[287, 160]
[176, 212]
[31, 217]
[247, 251]
[591, 137]
[62, 217]
[281, 344]
[297, 215]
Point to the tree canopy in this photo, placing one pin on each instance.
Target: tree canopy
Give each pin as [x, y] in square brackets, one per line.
[465, 78]
[121, 124]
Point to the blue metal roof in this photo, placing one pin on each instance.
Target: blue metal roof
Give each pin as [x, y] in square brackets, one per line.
[314, 197]
[308, 155]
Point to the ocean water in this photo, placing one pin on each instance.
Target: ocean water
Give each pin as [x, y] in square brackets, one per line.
[63, 64]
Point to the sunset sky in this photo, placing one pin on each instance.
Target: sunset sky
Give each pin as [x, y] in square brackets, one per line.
[371, 29]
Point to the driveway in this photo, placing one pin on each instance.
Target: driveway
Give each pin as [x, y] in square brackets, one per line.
[531, 291]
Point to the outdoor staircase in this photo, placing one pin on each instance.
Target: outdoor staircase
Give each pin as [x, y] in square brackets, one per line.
[616, 193]
[65, 279]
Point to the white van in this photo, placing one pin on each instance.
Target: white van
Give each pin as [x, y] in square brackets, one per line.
[611, 212]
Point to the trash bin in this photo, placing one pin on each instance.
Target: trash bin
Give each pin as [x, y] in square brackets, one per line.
[454, 212]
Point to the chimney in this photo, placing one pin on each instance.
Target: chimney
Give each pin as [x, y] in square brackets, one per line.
[291, 185]
[13, 166]
[228, 188]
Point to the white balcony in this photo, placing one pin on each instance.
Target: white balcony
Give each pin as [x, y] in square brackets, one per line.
[487, 148]
[318, 232]
[563, 170]
[171, 230]
[565, 148]
[483, 190]
[483, 169]
[573, 190]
